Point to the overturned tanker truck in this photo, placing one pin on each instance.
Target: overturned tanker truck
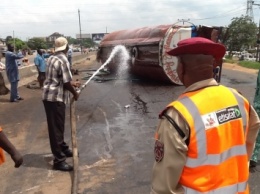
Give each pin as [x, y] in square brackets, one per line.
[148, 47]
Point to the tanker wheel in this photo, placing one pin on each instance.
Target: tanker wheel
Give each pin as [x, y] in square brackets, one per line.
[134, 55]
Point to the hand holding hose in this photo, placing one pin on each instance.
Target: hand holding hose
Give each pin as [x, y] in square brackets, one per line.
[72, 86]
[76, 84]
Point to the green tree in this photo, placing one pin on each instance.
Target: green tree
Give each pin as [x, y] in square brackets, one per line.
[241, 34]
[88, 42]
[36, 43]
[73, 41]
[19, 44]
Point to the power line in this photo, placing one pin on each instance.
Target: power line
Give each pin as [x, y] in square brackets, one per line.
[221, 15]
[229, 12]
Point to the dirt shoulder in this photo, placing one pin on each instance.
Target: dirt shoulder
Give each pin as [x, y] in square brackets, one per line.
[237, 67]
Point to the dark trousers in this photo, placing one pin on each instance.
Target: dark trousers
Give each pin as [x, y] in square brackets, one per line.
[14, 91]
[41, 78]
[55, 113]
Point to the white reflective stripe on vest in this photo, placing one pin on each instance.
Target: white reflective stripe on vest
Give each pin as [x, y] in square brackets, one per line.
[216, 159]
[203, 157]
[231, 189]
[242, 108]
[198, 124]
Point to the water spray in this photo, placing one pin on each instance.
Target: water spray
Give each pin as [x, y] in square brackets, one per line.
[124, 55]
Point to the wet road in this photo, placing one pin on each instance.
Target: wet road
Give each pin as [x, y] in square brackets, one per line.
[115, 143]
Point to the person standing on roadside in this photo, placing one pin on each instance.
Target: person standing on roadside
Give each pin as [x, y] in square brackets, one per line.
[256, 104]
[56, 89]
[7, 146]
[39, 62]
[13, 72]
[70, 52]
[205, 138]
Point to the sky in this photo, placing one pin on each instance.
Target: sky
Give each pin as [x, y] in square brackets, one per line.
[33, 18]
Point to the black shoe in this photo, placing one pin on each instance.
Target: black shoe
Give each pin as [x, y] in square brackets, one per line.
[62, 166]
[15, 100]
[68, 153]
[252, 164]
[20, 98]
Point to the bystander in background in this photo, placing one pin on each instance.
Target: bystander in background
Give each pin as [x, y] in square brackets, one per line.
[69, 54]
[39, 62]
[256, 104]
[13, 72]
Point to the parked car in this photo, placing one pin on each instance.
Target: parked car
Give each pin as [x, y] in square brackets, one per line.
[76, 50]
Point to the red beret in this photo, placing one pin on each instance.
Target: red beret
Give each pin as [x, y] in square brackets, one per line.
[198, 45]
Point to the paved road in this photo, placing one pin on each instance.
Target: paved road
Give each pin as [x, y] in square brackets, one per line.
[115, 143]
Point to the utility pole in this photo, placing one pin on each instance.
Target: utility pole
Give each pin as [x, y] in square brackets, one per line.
[80, 32]
[249, 9]
[258, 37]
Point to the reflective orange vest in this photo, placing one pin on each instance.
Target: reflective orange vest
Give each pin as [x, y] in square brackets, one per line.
[217, 159]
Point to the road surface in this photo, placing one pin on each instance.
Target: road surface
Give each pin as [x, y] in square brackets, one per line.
[115, 143]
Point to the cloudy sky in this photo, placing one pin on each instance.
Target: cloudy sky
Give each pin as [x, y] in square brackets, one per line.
[33, 18]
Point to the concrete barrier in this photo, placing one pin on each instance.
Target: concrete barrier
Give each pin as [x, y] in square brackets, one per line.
[29, 72]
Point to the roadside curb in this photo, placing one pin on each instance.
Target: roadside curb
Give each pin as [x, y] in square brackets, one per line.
[29, 72]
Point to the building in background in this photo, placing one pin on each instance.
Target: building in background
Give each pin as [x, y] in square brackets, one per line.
[3, 48]
[53, 37]
[97, 37]
[42, 38]
[83, 36]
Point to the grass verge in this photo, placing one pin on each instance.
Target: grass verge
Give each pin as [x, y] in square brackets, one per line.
[247, 64]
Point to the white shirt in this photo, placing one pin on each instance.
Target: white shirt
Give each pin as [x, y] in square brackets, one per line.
[69, 52]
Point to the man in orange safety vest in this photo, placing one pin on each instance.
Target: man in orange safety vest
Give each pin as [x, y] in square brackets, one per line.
[205, 138]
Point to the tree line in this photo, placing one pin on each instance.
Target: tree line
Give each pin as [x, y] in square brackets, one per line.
[35, 43]
[242, 34]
